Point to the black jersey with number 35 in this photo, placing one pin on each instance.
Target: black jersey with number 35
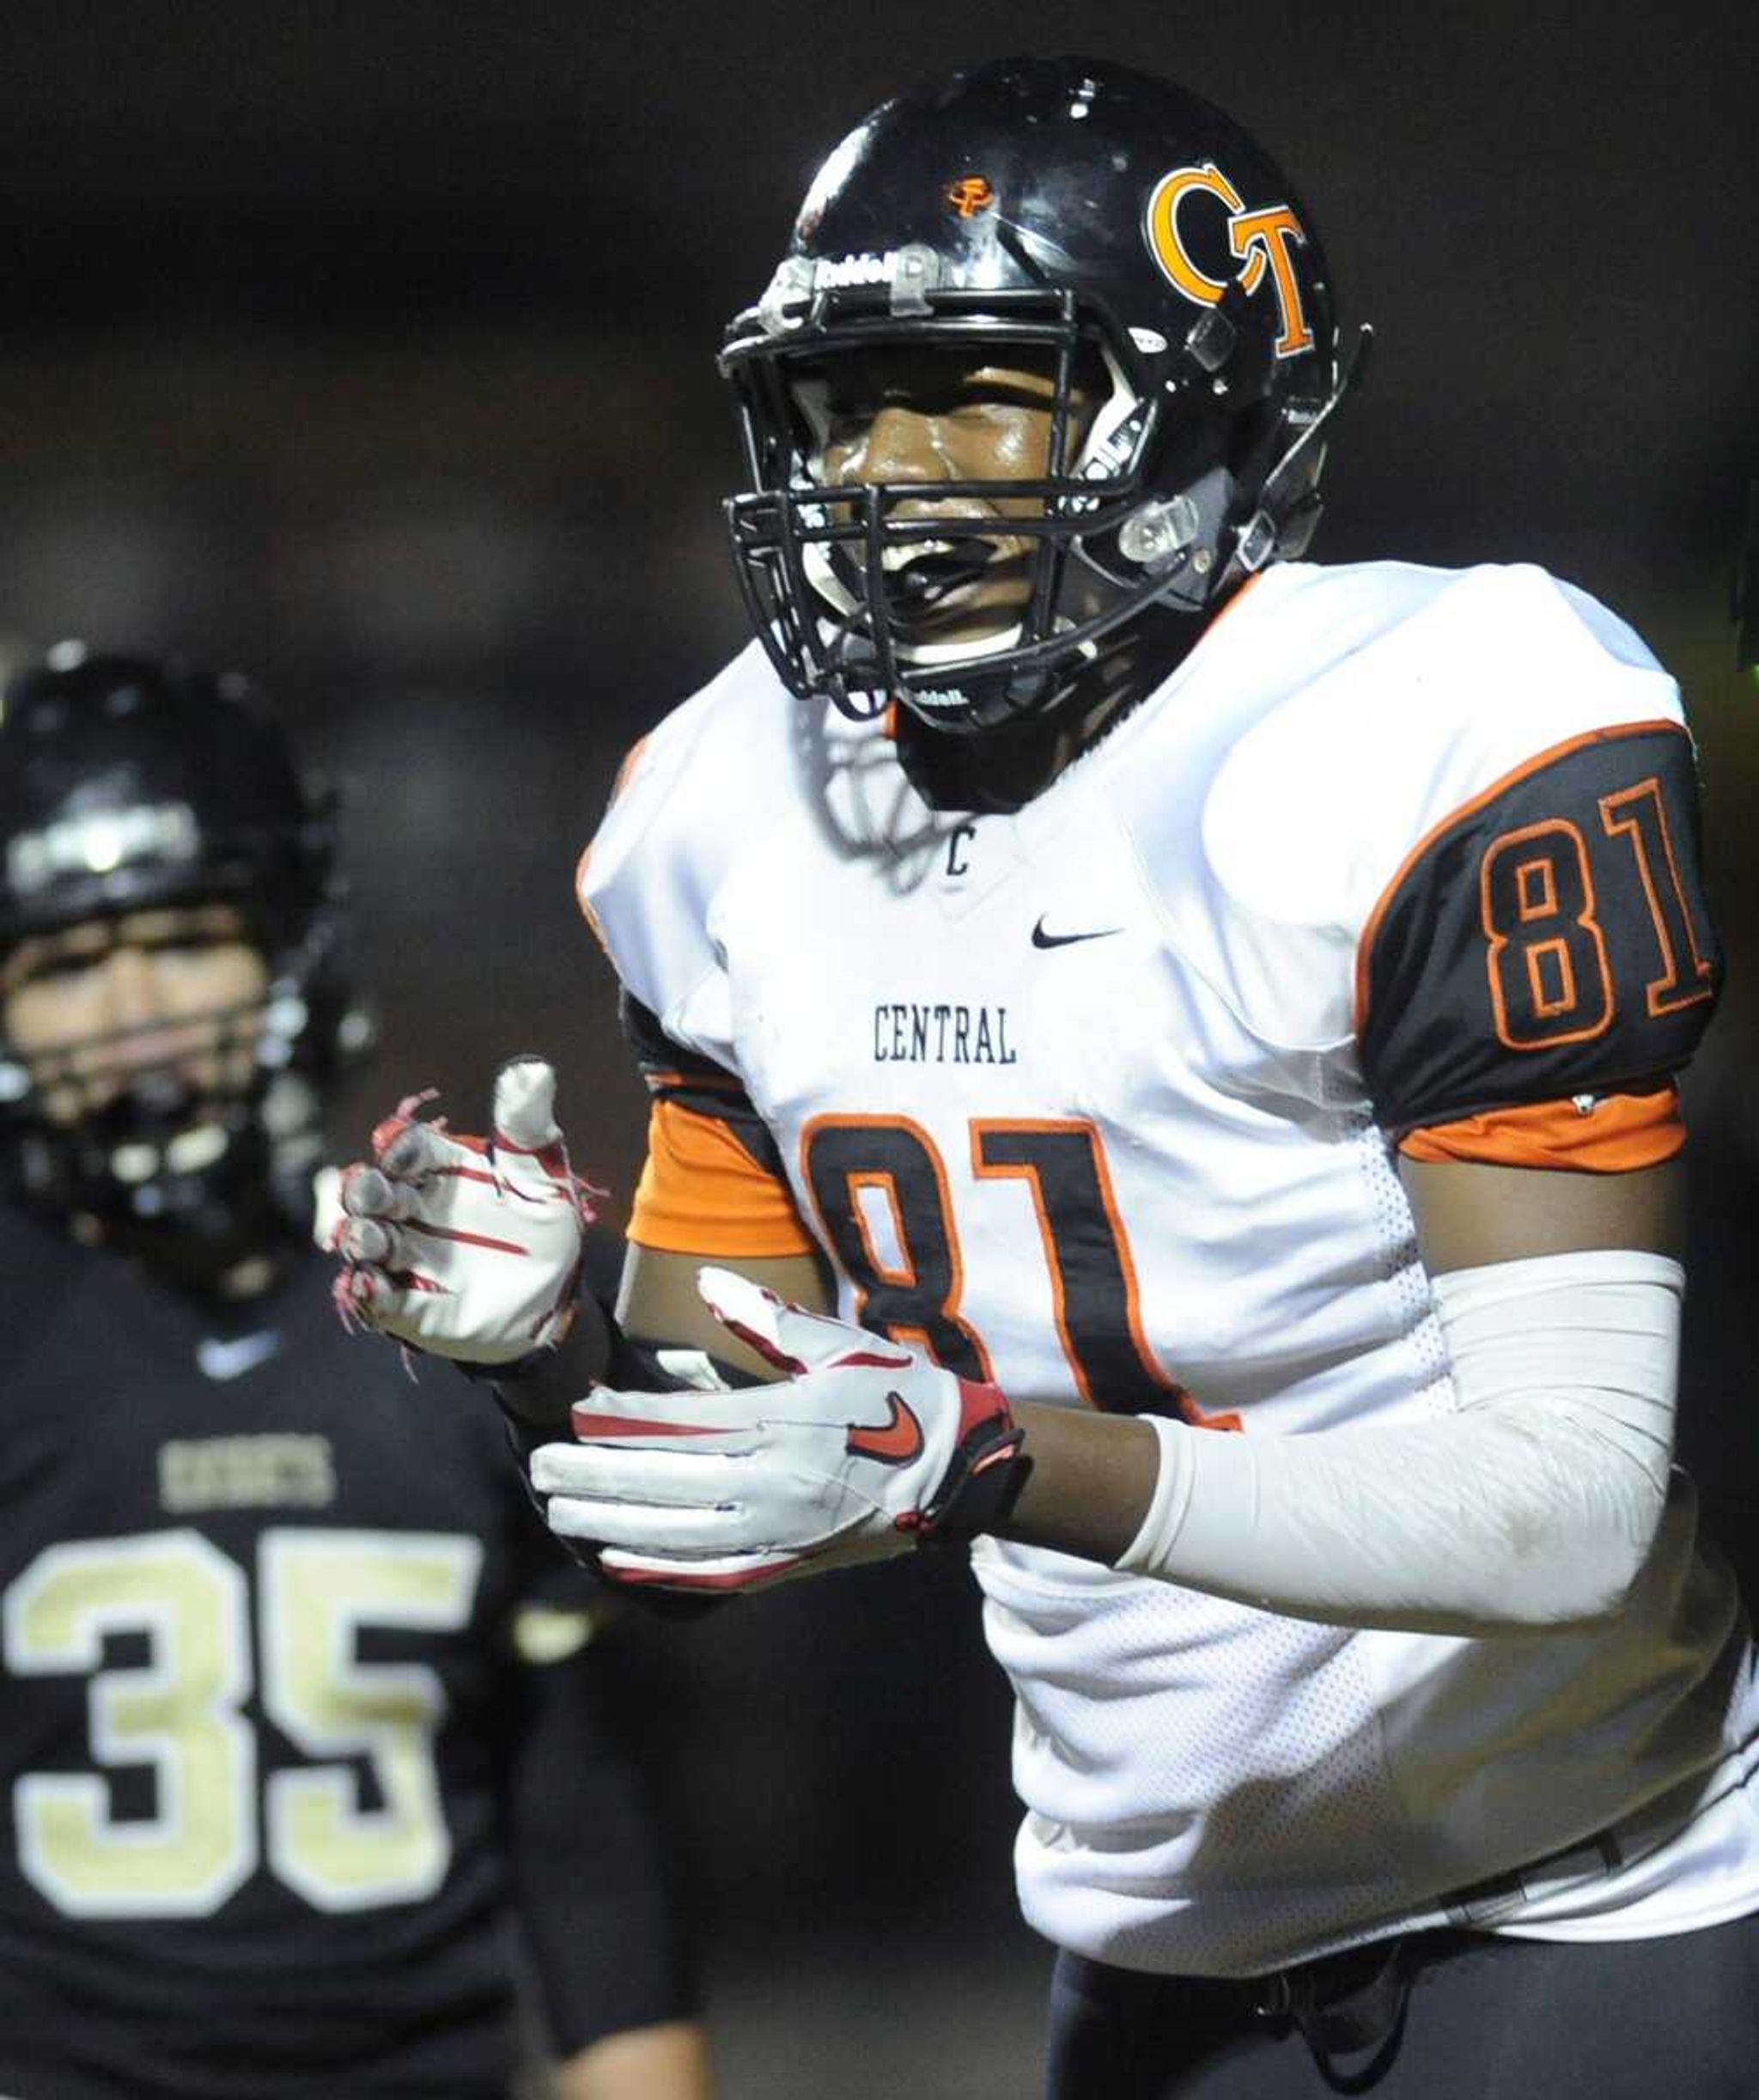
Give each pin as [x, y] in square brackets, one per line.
[268, 1613]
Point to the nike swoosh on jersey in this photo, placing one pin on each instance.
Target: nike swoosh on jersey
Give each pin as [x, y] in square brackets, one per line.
[222, 1360]
[1042, 939]
[895, 1441]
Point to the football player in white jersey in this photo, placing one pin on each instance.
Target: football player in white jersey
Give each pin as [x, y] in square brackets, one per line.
[1163, 1064]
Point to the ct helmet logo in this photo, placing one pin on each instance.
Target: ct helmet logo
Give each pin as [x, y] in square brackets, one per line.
[1261, 240]
[970, 195]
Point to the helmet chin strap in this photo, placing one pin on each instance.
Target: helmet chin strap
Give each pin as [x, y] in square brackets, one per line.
[1274, 532]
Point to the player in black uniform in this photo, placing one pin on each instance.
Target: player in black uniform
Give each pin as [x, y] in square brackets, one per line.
[296, 1717]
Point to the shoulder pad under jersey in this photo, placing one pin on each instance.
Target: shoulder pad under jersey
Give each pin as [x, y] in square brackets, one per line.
[689, 798]
[1364, 706]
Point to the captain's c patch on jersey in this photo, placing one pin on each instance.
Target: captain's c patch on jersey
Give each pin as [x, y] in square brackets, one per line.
[1549, 939]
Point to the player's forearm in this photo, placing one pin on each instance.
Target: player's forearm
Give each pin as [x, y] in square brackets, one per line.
[1090, 1483]
[1460, 1525]
[1466, 1525]
[667, 2062]
[592, 1882]
[1533, 1505]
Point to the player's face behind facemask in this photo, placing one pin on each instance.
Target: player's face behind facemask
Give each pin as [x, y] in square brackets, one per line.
[173, 987]
[963, 441]
[163, 1004]
[139, 1039]
[950, 429]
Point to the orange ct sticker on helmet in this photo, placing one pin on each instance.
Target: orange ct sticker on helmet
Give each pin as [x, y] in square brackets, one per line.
[1259, 239]
[970, 195]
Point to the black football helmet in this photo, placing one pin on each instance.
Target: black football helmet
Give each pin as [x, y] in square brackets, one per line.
[127, 785]
[1137, 244]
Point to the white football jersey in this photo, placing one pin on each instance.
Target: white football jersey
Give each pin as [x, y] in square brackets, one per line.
[1095, 1099]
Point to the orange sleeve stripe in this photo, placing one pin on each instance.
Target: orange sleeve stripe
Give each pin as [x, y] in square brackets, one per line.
[1236, 598]
[626, 772]
[701, 1192]
[1622, 1132]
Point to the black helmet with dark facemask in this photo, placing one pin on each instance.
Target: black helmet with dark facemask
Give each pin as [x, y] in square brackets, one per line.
[1144, 251]
[128, 786]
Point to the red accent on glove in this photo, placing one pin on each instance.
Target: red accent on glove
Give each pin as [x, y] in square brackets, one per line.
[590, 1427]
[978, 1403]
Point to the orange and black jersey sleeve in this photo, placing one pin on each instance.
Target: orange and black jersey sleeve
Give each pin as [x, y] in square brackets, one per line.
[1546, 943]
[714, 1182]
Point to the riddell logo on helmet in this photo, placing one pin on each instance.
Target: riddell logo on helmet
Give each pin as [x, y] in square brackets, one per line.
[1260, 238]
[970, 195]
[831, 273]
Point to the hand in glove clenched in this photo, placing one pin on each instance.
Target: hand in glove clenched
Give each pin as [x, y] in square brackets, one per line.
[861, 1449]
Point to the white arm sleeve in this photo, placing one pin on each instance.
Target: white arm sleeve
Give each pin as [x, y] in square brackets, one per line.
[1533, 1504]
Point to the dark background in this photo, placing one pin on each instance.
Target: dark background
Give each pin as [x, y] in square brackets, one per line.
[370, 346]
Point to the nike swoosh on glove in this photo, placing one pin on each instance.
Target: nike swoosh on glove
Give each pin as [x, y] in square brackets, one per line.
[465, 1247]
[863, 1449]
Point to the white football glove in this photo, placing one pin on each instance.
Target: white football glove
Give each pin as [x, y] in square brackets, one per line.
[864, 1450]
[465, 1247]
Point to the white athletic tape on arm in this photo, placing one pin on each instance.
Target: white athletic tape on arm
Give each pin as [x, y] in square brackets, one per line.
[1533, 1504]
